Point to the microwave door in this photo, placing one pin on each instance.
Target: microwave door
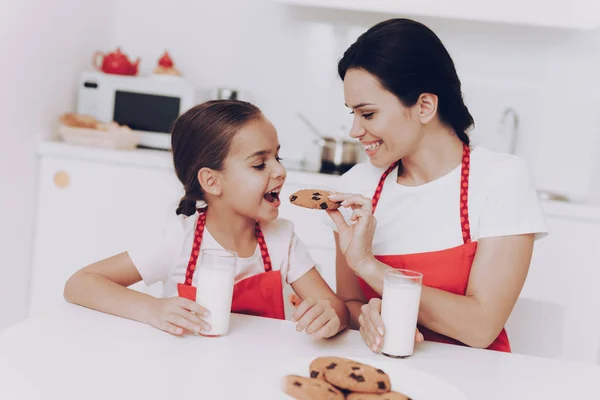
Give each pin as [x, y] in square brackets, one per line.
[151, 114]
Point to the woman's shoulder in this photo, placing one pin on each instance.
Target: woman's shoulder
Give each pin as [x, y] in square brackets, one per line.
[489, 160]
[485, 162]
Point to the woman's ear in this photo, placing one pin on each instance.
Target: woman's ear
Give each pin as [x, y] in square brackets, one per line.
[209, 181]
[427, 107]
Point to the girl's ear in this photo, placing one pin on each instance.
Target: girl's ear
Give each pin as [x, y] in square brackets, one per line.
[209, 181]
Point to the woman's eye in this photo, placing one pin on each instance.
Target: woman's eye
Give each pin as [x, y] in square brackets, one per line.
[367, 115]
[278, 159]
[259, 167]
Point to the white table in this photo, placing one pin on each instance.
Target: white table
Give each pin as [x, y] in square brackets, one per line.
[75, 353]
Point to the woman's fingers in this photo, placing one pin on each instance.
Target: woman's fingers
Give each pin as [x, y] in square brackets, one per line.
[352, 200]
[338, 219]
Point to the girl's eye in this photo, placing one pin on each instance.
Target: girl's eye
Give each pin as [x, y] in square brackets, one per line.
[259, 167]
[278, 159]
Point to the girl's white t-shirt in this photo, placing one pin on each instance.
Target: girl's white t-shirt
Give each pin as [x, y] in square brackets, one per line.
[416, 219]
[165, 258]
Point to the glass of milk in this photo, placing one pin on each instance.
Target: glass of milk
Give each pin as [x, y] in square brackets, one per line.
[215, 277]
[399, 311]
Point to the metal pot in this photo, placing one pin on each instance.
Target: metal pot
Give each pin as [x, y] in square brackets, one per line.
[337, 154]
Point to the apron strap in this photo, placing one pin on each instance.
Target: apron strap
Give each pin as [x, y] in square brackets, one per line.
[464, 192]
[199, 232]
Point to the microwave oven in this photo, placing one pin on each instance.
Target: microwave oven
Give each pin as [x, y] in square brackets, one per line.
[149, 105]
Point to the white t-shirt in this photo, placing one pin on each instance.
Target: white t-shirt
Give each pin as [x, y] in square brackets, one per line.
[166, 258]
[425, 218]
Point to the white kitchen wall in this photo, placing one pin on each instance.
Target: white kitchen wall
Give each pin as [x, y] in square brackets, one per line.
[44, 45]
[286, 56]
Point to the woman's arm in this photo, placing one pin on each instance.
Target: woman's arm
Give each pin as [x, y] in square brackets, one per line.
[497, 277]
[319, 301]
[347, 286]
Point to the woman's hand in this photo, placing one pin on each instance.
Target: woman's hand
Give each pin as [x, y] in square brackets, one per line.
[317, 318]
[355, 240]
[176, 314]
[372, 329]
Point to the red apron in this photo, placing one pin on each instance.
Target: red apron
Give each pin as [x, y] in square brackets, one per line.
[445, 269]
[260, 295]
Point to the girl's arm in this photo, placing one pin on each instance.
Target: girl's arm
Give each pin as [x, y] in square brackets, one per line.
[103, 286]
[347, 286]
[321, 312]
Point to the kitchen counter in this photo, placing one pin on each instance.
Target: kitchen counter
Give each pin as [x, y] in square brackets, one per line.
[73, 353]
[162, 160]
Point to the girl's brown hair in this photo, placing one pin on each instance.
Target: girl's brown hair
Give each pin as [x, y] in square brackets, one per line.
[201, 138]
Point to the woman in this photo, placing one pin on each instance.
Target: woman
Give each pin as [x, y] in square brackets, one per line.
[465, 217]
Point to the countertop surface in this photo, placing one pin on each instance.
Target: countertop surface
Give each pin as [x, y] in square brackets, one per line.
[74, 353]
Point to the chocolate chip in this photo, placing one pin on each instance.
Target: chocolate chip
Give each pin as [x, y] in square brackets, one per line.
[293, 198]
[380, 371]
[323, 206]
[296, 383]
[355, 368]
[314, 374]
[316, 194]
[331, 366]
[357, 378]
[316, 198]
[381, 385]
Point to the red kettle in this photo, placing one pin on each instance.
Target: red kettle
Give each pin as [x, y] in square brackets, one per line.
[115, 63]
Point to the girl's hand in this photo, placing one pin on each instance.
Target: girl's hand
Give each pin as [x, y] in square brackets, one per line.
[356, 240]
[176, 314]
[317, 319]
[372, 329]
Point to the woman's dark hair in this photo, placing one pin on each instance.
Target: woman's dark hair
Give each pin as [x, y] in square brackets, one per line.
[408, 59]
[201, 138]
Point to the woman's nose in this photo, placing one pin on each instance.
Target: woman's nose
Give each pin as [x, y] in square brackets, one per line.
[357, 131]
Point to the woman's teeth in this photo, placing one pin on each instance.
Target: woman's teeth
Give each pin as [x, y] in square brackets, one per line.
[373, 146]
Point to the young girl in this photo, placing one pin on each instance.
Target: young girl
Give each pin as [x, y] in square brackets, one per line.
[226, 156]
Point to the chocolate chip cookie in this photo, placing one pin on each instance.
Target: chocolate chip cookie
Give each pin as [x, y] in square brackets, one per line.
[377, 396]
[357, 377]
[318, 366]
[315, 199]
[302, 388]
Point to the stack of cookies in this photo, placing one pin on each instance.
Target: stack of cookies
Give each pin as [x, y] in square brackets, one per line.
[336, 378]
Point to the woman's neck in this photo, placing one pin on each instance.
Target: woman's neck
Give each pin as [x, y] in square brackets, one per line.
[232, 231]
[438, 153]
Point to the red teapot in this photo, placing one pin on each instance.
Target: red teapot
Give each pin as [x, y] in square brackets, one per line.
[115, 63]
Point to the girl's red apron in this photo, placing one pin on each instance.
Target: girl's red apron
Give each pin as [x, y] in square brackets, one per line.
[260, 295]
[445, 269]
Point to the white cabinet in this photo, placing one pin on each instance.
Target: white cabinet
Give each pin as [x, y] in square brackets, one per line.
[565, 272]
[89, 210]
[575, 14]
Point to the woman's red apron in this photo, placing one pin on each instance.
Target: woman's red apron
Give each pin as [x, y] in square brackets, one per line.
[445, 269]
[260, 295]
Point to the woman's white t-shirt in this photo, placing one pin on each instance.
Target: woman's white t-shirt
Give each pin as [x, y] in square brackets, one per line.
[165, 258]
[416, 219]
